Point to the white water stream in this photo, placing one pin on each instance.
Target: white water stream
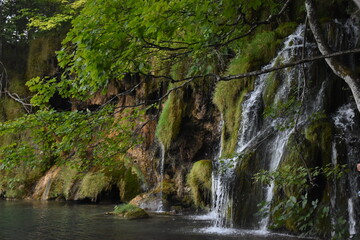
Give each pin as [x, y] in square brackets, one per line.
[249, 130]
[161, 181]
[344, 121]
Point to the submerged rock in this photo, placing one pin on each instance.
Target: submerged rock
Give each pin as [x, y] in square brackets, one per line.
[150, 202]
[129, 211]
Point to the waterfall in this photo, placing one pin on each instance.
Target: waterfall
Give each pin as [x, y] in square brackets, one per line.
[334, 156]
[344, 121]
[226, 201]
[352, 222]
[161, 181]
[277, 152]
[249, 130]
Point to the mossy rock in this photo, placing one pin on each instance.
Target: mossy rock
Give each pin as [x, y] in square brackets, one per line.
[92, 185]
[199, 181]
[320, 133]
[129, 211]
[129, 185]
[272, 84]
[299, 153]
[63, 184]
[229, 96]
[169, 123]
[10, 109]
[41, 59]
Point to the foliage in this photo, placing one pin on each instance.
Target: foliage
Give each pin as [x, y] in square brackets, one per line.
[21, 19]
[80, 138]
[16, 183]
[297, 209]
[111, 38]
[63, 12]
[108, 40]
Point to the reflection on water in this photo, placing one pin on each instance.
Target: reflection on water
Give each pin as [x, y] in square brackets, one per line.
[31, 220]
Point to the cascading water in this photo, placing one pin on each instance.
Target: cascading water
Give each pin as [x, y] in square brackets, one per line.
[334, 156]
[229, 203]
[161, 180]
[352, 222]
[344, 122]
[249, 130]
[277, 153]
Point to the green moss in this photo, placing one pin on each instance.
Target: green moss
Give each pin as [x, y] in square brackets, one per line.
[320, 133]
[169, 123]
[10, 109]
[92, 185]
[199, 181]
[129, 185]
[17, 83]
[285, 29]
[18, 183]
[229, 96]
[229, 99]
[41, 58]
[130, 211]
[136, 214]
[63, 183]
[271, 86]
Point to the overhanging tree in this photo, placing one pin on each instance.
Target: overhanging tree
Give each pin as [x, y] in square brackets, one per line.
[113, 39]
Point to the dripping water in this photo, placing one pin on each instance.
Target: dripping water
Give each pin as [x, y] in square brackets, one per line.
[160, 207]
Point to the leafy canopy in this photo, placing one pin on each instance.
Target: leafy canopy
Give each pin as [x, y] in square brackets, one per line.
[112, 38]
[108, 40]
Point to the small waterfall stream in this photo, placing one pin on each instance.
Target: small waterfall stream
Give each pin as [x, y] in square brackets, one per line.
[344, 122]
[161, 180]
[276, 156]
[352, 222]
[334, 156]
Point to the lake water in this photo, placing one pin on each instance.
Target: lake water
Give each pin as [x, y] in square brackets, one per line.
[35, 220]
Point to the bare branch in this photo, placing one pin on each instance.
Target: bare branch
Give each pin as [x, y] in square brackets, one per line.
[291, 64]
[186, 81]
[4, 81]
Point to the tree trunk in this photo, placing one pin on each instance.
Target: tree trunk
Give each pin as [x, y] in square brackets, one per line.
[348, 75]
[357, 2]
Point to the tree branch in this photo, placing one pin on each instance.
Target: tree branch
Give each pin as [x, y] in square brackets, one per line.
[286, 65]
[186, 81]
[254, 26]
